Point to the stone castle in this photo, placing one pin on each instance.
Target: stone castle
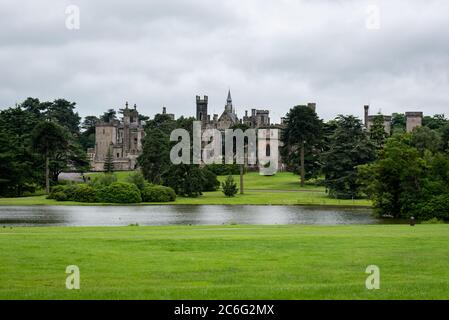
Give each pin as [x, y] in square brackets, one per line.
[122, 138]
[257, 119]
[413, 119]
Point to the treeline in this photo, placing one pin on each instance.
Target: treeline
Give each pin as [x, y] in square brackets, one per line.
[39, 140]
[405, 174]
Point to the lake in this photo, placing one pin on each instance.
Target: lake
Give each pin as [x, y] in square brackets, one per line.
[184, 215]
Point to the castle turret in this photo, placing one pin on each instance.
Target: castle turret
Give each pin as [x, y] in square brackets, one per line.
[201, 109]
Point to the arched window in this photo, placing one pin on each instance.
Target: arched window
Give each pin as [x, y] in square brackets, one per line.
[268, 150]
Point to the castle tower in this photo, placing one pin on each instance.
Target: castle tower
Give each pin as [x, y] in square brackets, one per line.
[228, 106]
[201, 109]
[366, 115]
[413, 120]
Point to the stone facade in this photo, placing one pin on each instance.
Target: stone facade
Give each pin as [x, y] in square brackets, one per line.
[122, 137]
[229, 118]
[413, 120]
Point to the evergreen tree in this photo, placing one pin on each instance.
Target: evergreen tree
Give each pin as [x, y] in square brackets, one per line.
[229, 187]
[349, 148]
[302, 133]
[109, 162]
[48, 138]
[377, 132]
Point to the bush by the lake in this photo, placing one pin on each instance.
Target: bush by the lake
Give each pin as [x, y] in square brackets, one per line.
[210, 181]
[84, 193]
[59, 196]
[104, 180]
[224, 169]
[119, 192]
[138, 179]
[229, 187]
[156, 193]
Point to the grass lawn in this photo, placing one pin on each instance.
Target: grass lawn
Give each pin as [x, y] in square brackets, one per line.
[226, 262]
[281, 189]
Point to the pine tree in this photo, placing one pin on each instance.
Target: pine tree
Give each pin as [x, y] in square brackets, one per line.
[377, 132]
[229, 187]
[108, 162]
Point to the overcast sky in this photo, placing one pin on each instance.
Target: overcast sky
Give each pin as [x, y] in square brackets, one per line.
[393, 54]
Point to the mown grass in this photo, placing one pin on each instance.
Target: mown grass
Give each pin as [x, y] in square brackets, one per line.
[226, 262]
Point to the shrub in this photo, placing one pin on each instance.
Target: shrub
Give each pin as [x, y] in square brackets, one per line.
[155, 193]
[210, 181]
[84, 193]
[229, 187]
[104, 180]
[54, 190]
[437, 207]
[119, 192]
[138, 179]
[433, 221]
[224, 169]
[58, 196]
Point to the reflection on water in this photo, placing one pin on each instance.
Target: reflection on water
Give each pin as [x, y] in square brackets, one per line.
[182, 215]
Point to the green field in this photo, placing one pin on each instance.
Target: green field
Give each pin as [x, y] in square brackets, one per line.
[226, 262]
[281, 189]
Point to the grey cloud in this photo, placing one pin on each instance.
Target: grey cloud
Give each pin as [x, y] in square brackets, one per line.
[273, 54]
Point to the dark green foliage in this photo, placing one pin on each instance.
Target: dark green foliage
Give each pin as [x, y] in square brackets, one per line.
[84, 193]
[349, 148]
[303, 130]
[377, 132]
[210, 181]
[119, 192]
[406, 181]
[155, 158]
[104, 180]
[186, 180]
[62, 111]
[59, 196]
[108, 166]
[109, 116]
[435, 122]
[229, 187]
[223, 169]
[435, 208]
[138, 179]
[424, 138]
[398, 123]
[156, 193]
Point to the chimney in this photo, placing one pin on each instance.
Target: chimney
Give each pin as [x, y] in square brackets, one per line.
[366, 115]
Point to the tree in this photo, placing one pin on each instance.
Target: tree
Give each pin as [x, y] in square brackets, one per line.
[303, 128]
[405, 181]
[435, 122]
[155, 157]
[87, 137]
[242, 166]
[48, 138]
[229, 187]
[109, 116]
[185, 179]
[349, 148]
[424, 138]
[398, 123]
[377, 132]
[109, 162]
[62, 111]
